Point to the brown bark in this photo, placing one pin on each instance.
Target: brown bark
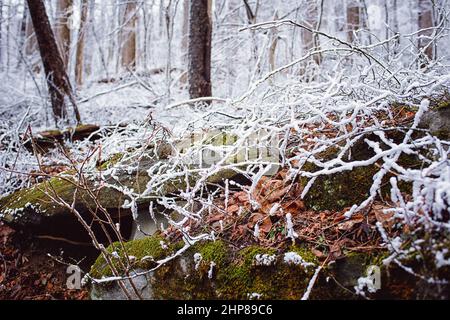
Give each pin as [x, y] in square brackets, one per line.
[309, 39]
[22, 35]
[128, 36]
[79, 67]
[199, 71]
[63, 15]
[31, 44]
[353, 19]
[57, 81]
[425, 22]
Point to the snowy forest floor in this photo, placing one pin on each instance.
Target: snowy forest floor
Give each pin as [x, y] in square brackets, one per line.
[308, 118]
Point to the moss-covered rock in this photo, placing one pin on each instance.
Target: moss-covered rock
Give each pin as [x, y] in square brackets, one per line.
[344, 189]
[221, 271]
[35, 207]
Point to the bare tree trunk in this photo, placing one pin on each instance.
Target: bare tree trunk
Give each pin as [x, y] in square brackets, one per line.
[199, 71]
[8, 36]
[79, 67]
[185, 30]
[62, 28]
[31, 45]
[353, 19]
[1, 44]
[145, 22]
[310, 41]
[22, 33]
[426, 22]
[395, 27]
[128, 36]
[251, 18]
[58, 83]
[89, 38]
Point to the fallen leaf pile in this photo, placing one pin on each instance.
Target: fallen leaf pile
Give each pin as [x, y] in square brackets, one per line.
[261, 218]
[28, 273]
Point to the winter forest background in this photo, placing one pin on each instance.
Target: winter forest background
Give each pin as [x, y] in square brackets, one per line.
[316, 75]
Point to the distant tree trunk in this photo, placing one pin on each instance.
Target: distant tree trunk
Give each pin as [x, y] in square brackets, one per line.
[22, 34]
[57, 81]
[31, 45]
[426, 22]
[89, 38]
[310, 40]
[8, 36]
[128, 36]
[185, 30]
[273, 45]
[145, 22]
[353, 19]
[199, 70]
[1, 45]
[395, 25]
[79, 66]
[62, 28]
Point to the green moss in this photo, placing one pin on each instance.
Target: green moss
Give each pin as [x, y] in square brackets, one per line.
[115, 158]
[36, 198]
[340, 190]
[443, 104]
[305, 253]
[212, 251]
[235, 275]
[145, 251]
[344, 189]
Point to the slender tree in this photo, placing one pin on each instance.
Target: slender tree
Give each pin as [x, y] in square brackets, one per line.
[62, 28]
[79, 66]
[22, 33]
[1, 45]
[199, 70]
[185, 30]
[128, 35]
[31, 44]
[353, 19]
[310, 40]
[57, 80]
[90, 39]
[425, 24]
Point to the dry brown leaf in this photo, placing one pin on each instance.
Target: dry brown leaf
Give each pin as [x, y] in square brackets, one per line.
[294, 207]
[319, 254]
[265, 225]
[214, 218]
[255, 218]
[384, 218]
[347, 225]
[233, 208]
[335, 251]
[277, 194]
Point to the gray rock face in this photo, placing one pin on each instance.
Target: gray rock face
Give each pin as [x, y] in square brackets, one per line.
[438, 122]
[113, 291]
